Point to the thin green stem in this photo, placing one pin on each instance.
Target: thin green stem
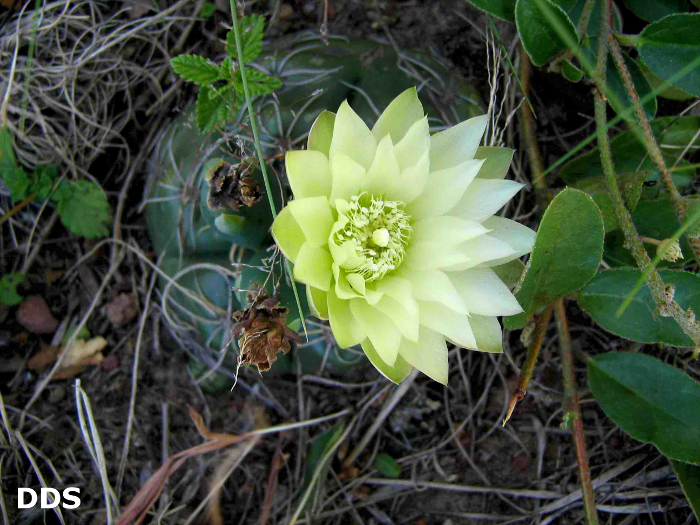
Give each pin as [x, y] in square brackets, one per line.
[258, 147]
[530, 133]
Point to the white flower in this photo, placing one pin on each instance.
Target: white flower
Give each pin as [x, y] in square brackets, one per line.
[392, 230]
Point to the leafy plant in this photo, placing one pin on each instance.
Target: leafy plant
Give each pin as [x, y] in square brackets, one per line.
[82, 205]
[8, 289]
[221, 93]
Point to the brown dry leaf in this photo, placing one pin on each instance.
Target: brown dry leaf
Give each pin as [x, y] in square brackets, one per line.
[80, 355]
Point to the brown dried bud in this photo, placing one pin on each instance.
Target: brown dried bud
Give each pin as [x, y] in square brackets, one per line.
[230, 187]
[264, 332]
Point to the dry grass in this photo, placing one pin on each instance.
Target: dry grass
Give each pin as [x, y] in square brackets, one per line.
[98, 80]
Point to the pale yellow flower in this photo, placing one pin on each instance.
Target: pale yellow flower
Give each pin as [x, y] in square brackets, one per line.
[392, 231]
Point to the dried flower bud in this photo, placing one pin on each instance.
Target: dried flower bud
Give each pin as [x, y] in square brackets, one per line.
[230, 187]
[264, 332]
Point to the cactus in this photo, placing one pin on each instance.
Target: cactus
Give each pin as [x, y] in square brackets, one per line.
[188, 205]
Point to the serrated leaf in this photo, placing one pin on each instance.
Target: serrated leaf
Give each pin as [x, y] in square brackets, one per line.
[18, 182]
[689, 478]
[8, 288]
[196, 69]
[655, 219]
[671, 45]
[652, 10]
[606, 292]
[651, 401]
[567, 252]
[212, 108]
[539, 36]
[251, 28]
[259, 83]
[44, 178]
[387, 466]
[503, 9]
[629, 154]
[85, 211]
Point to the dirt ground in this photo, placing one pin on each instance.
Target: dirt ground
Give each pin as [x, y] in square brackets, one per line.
[458, 463]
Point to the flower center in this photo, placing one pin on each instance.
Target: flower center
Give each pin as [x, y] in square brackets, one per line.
[380, 230]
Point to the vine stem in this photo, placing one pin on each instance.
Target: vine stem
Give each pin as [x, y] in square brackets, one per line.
[258, 148]
[662, 294]
[572, 407]
[17, 207]
[529, 131]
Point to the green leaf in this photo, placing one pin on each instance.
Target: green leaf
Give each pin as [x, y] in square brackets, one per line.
[387, 466]
[230, 224]
[653, 10]
[44, 178]
[196, 69]
[571, 72]
[606, 292]
[651, 401]
[7, 156]
[630, 185]
[212, 108]
[655, 219]
[655, 82]
[593, 27]
[629, 154]
[8, 288]
[85, 211]
[510, 272]
[259, 83]
[17, 182]
[515, 322]
[671, 45]
[539, 37]
[252, 28]
[568, 249]
[207, 10]
[503, 9]
[317, 455]
[689, 478]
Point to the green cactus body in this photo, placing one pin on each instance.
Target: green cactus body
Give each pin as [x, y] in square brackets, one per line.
[315, 77]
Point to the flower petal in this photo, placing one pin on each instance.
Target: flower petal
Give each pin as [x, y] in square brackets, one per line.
[287, 234]
[346, 330]
[411, 181]
[380, 329]
[347, 178]
[352, 137]
[313, 267]
[396, 373]
[321, 133]
[488, 333]
[429, 355]
[485, 197]
[315, 218]
[358, 284]
[445, 190]
[318, 302]
[411, 148]
[432, 256]
[405, 322]
[384, 171]
[484, 293]
[480, 251]
[447, 230]
[497, 162]
[309, 173]
[399, 116]
[455, 327]
[456, 144]
[520, 238]
[433, 285]
[400, 290]
[342, 287]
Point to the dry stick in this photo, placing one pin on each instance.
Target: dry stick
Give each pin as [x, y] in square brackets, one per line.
[663, 295]
[529, 132]
[532, 353]
[650, 142]
[572, 406]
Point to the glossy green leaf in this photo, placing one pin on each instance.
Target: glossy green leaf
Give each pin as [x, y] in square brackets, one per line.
[515, 322]
[651, 401]
[672, 133]
[503, 9]
[571, 72]
[606, 292]
[387, 466]
[689, 478]
[568, 249]
[539, 37]
[653, 10]
[671, 45]
[630, 185]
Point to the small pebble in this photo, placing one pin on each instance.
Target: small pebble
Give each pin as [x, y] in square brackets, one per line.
[35, 316]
